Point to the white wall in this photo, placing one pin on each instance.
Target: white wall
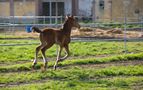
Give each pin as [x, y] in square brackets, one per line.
[68, 7]
[85, 7]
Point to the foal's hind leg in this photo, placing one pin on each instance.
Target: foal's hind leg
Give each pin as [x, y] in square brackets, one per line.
[44, 57]
[43, 50]
[36, 55]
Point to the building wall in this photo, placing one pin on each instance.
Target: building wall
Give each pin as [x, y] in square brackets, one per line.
[24, 8]
[140, 4]
[21, 8]
[115, 10]
[111, 11]
[68, 7]
[107, 10]
[4, 8]
[85, 7]
[118, 9]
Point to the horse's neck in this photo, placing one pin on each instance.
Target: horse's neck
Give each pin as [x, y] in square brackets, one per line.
[67, 29]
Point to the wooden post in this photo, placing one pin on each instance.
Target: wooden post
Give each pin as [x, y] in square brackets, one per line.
[11, 7]
[75, 7]
[93, 11]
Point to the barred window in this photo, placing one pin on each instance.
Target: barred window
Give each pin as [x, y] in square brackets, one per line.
[101, 4]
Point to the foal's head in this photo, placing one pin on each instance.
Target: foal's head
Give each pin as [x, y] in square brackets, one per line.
[72, 21]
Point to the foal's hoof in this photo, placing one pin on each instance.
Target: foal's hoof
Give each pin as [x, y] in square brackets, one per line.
[43, 68]
[32, 68]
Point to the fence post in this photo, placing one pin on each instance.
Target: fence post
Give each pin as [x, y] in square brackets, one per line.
[126, 3]
[61, 19]
[13, 27]
[44, 20]
[125, 30]
[12, 23]
[142, 26]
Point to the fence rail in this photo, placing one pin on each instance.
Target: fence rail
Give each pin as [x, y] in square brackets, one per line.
[79, 39]
[13, 22]
[59, 19]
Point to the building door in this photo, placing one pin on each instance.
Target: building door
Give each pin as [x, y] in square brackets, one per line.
[53, 8]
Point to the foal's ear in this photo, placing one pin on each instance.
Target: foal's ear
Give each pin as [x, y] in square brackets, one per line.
[72, 16]
[67, 17]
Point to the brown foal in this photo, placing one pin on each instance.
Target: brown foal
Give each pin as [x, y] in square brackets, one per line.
[49, 37]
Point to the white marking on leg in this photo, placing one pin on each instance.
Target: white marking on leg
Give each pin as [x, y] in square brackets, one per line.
[58, 58]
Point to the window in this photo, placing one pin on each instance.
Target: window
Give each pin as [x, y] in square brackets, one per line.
[57, 8]
[101, 4]
[60, 8]
[46, 9]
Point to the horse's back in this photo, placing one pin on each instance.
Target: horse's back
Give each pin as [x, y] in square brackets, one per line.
[51, 35]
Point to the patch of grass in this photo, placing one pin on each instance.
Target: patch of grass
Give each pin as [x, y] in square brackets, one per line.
[72, 74]
[25, 53]
[18, 41]
[115, 83]
[27, 66]
[17, 35]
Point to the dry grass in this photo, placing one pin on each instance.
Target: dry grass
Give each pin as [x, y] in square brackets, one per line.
[25, 34]
[114, 33]
[93, 32]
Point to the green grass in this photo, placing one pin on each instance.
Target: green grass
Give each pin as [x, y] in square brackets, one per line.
[27, 66]
[114, 76]
[74, 74]
[26, 53]
[18, 41]
[115, 83]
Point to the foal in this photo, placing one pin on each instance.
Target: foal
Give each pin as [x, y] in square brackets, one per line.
[49, 37]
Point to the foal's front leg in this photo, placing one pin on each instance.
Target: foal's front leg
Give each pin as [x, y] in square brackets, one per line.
[67, 53]
[58, 58]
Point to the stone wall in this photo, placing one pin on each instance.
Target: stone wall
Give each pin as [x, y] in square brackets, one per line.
[21, 8]
[118, 9]
[4, 8]
[26, 8]
[113, 9]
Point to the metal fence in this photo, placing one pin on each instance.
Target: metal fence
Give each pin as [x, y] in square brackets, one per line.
[54, 21]
[9, 26]
[13, 23]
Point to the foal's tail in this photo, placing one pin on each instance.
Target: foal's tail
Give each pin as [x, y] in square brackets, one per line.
[36, 29]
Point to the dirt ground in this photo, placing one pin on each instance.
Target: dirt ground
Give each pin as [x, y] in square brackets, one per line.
[108, 33]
